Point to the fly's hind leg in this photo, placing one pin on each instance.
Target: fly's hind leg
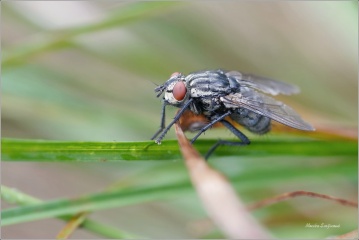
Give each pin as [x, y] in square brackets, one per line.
[205, 128]
[235, 131]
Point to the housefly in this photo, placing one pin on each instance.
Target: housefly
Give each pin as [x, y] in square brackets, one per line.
[219, 94]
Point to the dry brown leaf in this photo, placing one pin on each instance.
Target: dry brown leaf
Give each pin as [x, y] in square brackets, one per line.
[289, 195]
[218, 197]
[72, 225]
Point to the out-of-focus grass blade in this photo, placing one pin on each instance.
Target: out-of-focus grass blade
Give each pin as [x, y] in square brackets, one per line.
[128, 13]
[14, 196]
[88, 203]
[60, 39]
[41, 150]
[123, 197]
[74, 223]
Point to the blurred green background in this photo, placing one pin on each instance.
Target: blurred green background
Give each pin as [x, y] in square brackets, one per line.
[84, 70]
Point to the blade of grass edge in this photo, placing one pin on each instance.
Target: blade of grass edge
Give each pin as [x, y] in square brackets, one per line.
[50, 151]
[14, 196]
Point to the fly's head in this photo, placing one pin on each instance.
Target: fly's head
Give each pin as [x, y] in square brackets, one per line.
[175, 90]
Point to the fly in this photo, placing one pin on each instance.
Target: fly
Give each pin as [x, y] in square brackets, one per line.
[218, 94]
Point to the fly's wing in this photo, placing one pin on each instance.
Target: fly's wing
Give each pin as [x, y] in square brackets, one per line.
[263, 84]
[267, 106]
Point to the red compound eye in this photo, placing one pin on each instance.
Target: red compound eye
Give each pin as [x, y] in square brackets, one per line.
[174, 74]
[179, 91]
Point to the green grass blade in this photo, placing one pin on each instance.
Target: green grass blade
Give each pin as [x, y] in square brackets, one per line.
[14, 196]
[128, 13]
[251, 179]
[89, 203]
[62, 38]
[50, 151]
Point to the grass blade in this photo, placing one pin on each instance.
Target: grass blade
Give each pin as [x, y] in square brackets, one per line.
[51, 151]
[63, 38]
[124, 197]
[14, 196]
[88, 203]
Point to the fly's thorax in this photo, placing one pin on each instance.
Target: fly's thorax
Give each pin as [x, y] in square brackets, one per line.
[208, 106]
[211, 104]
[208, 84]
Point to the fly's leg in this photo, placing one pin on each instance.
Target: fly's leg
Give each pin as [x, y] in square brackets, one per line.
[163, 118]
[179, 114]
[205, 128]
[235, 131]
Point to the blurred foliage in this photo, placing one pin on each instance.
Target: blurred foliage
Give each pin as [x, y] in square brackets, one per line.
[84, 71]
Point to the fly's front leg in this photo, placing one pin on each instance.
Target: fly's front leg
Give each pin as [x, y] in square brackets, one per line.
[179, 114]
[235, 131]
[163, 119]
[205, 128]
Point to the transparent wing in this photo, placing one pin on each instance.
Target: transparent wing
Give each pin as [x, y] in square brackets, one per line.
[263, 84]
[267, 106]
